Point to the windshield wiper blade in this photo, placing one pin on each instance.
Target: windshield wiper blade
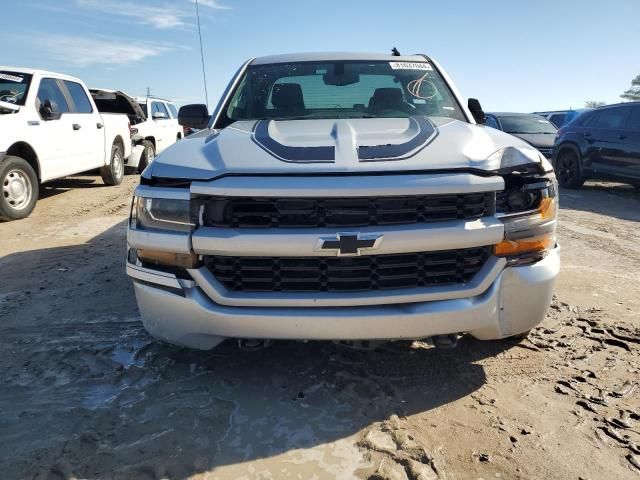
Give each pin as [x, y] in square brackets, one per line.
[284, 119]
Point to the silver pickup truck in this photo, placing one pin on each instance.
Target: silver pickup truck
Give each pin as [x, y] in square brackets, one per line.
[348, 197]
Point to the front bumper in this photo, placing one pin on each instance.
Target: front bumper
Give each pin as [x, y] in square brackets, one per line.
[178, 311]
[133, 160]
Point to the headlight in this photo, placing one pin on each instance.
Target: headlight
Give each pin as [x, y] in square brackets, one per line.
[168, 215]
[161, 214]
[528, 208]
[524, 193]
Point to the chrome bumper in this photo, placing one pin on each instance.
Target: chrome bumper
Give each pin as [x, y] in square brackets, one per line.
[178, 311]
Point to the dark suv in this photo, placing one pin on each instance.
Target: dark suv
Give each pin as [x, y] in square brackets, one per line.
[603, 143]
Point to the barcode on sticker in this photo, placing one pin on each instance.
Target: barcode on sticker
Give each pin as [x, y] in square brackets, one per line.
[11, 78]
[410, 66]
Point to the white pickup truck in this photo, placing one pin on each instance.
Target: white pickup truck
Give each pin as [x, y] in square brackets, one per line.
[50, 128]
[154, 121]
[352, 197]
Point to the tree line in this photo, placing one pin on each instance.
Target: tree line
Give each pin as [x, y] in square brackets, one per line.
[632, 94]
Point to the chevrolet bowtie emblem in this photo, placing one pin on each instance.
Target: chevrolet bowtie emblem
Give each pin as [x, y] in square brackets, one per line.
[349, 243]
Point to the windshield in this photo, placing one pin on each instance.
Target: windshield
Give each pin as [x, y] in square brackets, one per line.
[330, 90]
[14, 87]
[527, 124]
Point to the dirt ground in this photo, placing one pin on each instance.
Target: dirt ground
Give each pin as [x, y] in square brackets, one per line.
[86, 393]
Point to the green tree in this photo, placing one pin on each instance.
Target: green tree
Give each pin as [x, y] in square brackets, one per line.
[634, 92]
[594, 104]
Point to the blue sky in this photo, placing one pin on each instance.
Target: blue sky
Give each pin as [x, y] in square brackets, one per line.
[512, 55]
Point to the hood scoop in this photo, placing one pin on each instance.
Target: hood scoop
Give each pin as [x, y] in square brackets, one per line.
[328, 141]
[267, 135]
[421, 131]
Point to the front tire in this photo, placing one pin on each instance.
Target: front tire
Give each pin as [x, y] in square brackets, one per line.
[519, 337]
[147, 156]
[113, 173]
[569, 169]
[19, 188]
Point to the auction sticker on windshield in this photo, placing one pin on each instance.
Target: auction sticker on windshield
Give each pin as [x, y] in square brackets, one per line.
[11, 78]
[410, 66]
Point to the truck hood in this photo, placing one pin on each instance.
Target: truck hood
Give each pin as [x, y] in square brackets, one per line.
[335, 146]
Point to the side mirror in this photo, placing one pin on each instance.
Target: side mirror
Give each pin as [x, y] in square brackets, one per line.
[476, 110]
[194, 116]
[159, 116]
[49, 110]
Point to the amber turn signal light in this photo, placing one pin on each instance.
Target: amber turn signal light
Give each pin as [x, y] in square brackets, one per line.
[547, 208]
[157, 257]
[525, 245]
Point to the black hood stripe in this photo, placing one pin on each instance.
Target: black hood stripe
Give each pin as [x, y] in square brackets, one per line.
[427, 132]
[290, 154]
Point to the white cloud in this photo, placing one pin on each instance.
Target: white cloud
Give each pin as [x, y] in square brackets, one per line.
[212, 4]
[164, 17]
[156, 16]
[83, 51]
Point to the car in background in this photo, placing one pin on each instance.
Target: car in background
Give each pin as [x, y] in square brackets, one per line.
[50, 128]
[603, 143]
[165, 114]
[537, 131]
[562, 117]
[152, 133]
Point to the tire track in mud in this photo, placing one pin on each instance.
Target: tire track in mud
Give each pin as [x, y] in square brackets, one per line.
[101, 199]
[602, 372]
[576, 355]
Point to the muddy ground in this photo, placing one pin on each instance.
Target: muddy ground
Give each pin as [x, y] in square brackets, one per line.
[86, 393]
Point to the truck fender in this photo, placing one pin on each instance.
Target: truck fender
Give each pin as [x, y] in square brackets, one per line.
[117, 141]
[27, 153]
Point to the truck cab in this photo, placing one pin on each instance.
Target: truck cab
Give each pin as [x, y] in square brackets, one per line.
[162, 120]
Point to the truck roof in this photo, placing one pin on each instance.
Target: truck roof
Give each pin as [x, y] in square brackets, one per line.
[35, 71]
[139, 98]
[142, 99]
[334, 56]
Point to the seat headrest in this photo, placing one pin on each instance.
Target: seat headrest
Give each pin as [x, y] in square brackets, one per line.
[287, 96]
[387, 99]
[391, 95]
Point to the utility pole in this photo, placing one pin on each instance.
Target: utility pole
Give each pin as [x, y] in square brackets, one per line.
[204, 75]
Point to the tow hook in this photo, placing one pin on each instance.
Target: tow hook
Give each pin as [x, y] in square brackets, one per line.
[360, 344]
[445, 342]
[252, 344]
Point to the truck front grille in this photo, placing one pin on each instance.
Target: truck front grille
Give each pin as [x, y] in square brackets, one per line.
[241, 212]
[348, 274]
[546, 151]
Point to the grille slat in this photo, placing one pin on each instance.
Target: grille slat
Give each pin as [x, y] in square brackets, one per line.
[240, 212]
[346, 274]
[546, 151]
